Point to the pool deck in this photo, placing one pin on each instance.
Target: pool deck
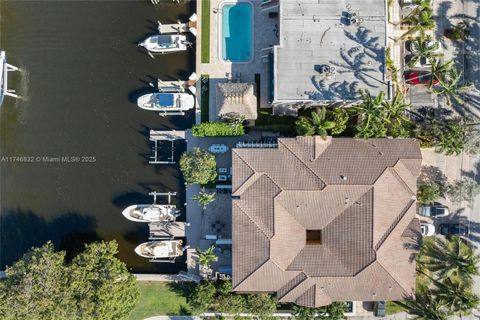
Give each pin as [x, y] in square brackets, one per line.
[217, 69]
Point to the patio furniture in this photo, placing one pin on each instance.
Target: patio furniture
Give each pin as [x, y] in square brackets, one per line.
[218, 148]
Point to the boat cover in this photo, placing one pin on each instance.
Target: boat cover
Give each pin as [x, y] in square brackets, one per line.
[166, 100]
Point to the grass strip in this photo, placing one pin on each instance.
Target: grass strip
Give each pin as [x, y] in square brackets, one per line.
[205, 46]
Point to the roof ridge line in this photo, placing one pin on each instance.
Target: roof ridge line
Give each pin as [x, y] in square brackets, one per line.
[247, 164]
[248, 183]
[254, 222]
[394, 224]
[252, 273]
[397, 176]
[390, 275]
[303, 162]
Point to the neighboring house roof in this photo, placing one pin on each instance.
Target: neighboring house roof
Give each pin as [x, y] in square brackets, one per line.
[314, 34]
[236, 100]
[356, 198]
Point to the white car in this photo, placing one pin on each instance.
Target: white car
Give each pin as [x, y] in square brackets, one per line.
[427, 229]
[434, 211]
[218, 148]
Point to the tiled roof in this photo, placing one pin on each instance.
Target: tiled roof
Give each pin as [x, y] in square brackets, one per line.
[359, 193]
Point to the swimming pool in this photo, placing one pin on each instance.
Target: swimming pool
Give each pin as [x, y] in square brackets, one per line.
[237, 32]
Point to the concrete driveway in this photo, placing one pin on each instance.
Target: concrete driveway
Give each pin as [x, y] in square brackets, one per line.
[452, 168]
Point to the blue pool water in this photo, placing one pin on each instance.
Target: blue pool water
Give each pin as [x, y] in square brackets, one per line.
[237, 32]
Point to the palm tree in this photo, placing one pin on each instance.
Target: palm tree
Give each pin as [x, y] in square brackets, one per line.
[425, 48]
[439, 70]
[451, 258]
[450, 86]
[420, 22]
[206, 256]
[456, 295]
[317, 124]
[372, 115]
[426, 306]
[204, 198]
[451, 139]
[396, 109]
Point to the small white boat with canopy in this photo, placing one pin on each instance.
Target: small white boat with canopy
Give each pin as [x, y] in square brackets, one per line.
[172, 103]
[165, 43]
[161, 251]
[152, 212]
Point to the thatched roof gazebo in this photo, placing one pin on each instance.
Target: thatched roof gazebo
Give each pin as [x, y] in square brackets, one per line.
[235, 100]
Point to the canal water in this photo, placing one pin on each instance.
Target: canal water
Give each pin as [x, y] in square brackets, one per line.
[74, 151]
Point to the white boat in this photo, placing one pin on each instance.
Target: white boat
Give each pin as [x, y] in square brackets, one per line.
[165, 43]
[161, 249]
[151, 212]
[177, 102]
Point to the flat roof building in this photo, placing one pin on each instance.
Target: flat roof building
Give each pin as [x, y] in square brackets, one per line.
[317, 221]
[328, 50]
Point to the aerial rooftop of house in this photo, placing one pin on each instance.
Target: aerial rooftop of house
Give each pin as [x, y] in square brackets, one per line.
[317, 221]
[329, 49]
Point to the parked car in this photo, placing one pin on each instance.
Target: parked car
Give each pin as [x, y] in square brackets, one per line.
[434, 211]
[427, 229]
[419, 77]
[454, 229]
[379, 308]
[412, 46]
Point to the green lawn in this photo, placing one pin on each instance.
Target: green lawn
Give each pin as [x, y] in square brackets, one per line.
[205, 32]
[393, 308]
[159, 298]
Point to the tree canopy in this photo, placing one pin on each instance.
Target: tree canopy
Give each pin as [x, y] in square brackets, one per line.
[198, 166]
[95, 285]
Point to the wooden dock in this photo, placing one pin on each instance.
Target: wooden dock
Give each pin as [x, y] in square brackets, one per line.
[160, 230]
[179, 27]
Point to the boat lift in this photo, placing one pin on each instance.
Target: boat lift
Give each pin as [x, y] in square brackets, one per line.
[179, 27]
[4, 69]
[157, 137]
[168, 194]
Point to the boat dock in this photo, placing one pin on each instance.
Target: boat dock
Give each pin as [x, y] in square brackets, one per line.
[159, 230]
[177, 85]
[179, 27]
[4, 69]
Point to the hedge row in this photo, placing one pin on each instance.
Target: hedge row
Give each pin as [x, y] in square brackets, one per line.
[218, 129]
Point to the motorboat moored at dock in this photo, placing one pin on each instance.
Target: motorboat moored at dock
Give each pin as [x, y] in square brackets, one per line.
[167, 102]
[165, 43]
[151, 212]
[162, 249]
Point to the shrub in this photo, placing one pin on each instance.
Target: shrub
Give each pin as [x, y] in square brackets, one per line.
[428, 193]
[218, 129]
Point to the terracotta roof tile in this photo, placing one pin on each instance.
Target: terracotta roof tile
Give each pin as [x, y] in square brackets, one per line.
[356, 194]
